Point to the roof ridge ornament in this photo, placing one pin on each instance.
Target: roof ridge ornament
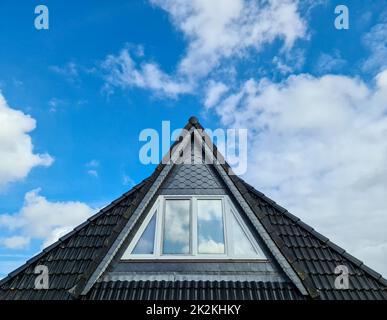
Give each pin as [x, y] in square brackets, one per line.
[193, 120]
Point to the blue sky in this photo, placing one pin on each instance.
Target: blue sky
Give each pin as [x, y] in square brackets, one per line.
[310, 95]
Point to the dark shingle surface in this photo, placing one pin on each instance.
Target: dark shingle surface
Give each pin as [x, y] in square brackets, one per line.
[193, 290]
[196, 176]
[318, 256]
[69, 258]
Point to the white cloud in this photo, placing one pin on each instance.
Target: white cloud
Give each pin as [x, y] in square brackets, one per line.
[54, 103]
[56, 233]
[282, 67]
[220, 29]
[45, 220]
[122, 71]
[92, 163]
[93, 173]
[16, 149]
[290, 62]
[214, 92]
[376, 42]
[329, 62]
[69, 71]
[92, 166]
[215, 30]
[210, 246]
[15, 242]
[318, 146]
[178, 224]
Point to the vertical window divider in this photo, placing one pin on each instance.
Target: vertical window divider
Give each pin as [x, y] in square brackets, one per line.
[159, 226]
[230, 243]
[225, 225]
[194, 231]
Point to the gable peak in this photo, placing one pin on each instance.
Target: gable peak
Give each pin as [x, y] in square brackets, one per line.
[193, 120]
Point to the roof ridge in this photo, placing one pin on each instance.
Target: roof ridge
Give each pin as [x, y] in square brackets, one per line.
[360, 264]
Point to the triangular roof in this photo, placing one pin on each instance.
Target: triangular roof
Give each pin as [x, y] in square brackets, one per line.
[77, 260]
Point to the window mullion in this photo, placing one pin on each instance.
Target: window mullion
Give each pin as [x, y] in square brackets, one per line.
[194, 230]
[225, 226]
[159, 226]
[229, 242]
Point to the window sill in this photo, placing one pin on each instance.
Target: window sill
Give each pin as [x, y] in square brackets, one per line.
[192, 259]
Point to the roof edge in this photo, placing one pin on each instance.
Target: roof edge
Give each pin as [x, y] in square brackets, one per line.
[65, 237]
[360, 264]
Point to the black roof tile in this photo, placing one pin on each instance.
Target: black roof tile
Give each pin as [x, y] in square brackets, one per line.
[67, 258]
[355, 261]
[319, 255]
[371, 272]
[335, 247]
[198, 290]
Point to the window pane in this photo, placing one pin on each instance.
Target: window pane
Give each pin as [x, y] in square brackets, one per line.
[176, 227]
[210, 226]
[241, 243]
[146, 242]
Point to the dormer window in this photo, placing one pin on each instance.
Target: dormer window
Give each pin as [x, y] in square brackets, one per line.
[193, 227]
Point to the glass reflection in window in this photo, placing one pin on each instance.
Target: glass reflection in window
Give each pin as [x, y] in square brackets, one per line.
[176, 236]
[145, 244]
[210, 226]
[241, 243]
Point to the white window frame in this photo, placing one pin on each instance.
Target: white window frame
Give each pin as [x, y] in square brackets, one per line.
[159, 209]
